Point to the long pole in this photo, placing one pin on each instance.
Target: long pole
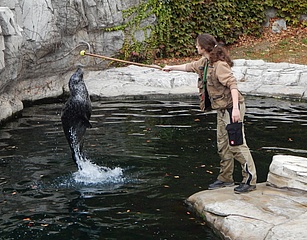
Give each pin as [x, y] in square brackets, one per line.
[83, 53]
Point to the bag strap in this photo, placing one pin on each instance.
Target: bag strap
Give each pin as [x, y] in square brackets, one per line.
[229, 110]
[205, 72]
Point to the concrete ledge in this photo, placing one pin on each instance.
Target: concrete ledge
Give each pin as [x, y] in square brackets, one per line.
[268, 213]
[255, 77]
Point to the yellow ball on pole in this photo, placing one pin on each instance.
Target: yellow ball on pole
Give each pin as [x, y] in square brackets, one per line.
[82, 53]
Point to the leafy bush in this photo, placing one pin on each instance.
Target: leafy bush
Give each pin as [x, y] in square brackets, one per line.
[290, 10]
[226, 20]
[179, 22]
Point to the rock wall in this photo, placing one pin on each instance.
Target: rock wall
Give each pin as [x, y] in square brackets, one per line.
[43, 35]
[40, 39]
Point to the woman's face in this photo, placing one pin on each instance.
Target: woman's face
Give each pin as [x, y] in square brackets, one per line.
[200, 50]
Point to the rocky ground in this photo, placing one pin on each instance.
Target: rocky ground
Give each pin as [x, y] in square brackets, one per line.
[288, 46]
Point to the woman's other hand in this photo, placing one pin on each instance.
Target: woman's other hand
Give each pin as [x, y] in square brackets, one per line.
[236, 115]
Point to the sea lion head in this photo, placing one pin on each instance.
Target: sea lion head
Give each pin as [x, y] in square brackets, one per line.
[77, 85]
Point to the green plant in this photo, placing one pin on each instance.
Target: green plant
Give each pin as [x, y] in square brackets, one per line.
[178, 22]
[283, 43]
[289, 10]
[156, 36]
[226, 20]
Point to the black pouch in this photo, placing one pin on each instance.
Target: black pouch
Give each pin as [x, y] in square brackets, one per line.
[235, 135]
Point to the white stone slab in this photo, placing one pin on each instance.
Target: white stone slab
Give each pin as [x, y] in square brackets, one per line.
[288, 172]
[267, 213]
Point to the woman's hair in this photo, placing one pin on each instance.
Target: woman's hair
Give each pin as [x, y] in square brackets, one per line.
[209, 43]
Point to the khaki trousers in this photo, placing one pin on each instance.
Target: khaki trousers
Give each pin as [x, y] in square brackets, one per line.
[228, 153]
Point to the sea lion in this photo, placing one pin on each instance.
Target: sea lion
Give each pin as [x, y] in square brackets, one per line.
[76, 114]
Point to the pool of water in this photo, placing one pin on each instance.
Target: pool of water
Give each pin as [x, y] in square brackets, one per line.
[145, 157]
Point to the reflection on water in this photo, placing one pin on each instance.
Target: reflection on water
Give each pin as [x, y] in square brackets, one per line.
[145, 159]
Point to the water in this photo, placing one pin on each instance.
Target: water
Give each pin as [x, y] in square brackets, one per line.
[143, 159]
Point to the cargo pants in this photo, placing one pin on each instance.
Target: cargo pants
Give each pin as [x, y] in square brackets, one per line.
[228, 153]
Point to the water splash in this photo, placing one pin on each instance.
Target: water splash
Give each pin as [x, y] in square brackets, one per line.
[90, 173]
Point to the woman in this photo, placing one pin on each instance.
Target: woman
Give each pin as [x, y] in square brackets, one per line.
[218, 90]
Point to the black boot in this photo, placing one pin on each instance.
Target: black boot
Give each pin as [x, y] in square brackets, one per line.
[244, 188]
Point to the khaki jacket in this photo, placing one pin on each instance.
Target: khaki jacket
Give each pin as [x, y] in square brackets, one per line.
[220, 82]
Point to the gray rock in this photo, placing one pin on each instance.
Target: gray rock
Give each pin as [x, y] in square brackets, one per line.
[7, 23]
[267, 213]
[133, 80]
[9, 106]
[269, 13]
[51, 30]
[288, 172]
[303, 17]
[10, 44]
[279, 25]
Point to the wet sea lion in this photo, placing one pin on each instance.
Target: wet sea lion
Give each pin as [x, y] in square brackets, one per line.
[76, 114]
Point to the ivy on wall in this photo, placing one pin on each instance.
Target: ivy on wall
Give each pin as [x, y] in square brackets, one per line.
[290, 10]
[226, 20]
[157, 36]
[178, 22]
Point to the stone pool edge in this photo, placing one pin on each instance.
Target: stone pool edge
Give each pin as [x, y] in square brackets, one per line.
[276, 210]
[255, 77]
